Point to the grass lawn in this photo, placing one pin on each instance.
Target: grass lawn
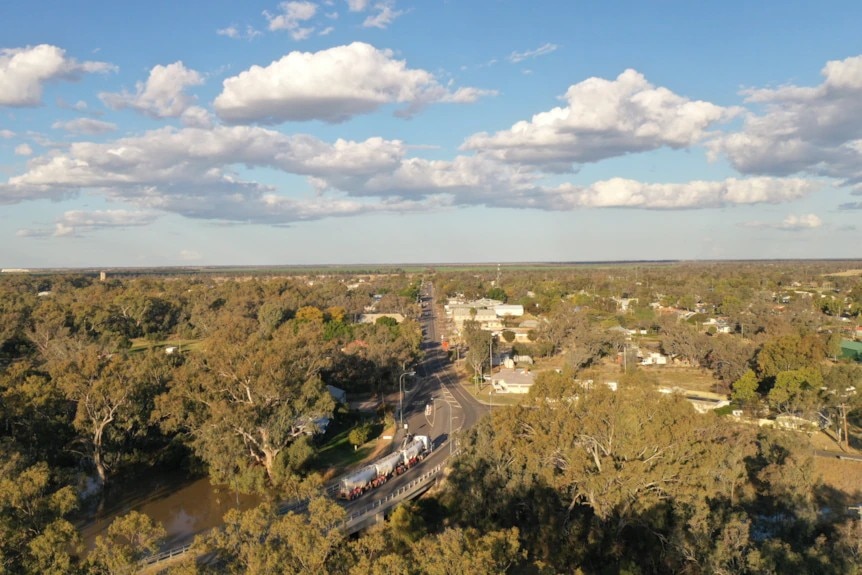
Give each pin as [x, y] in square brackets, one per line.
[140, 344]
[337, 454]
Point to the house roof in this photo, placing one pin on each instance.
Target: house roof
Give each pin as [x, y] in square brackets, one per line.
[513, 377]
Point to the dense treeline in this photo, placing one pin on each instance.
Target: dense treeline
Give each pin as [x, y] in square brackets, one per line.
[88, 392]
[577, 479]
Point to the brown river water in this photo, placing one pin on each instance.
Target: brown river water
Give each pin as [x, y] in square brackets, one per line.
[184, 506]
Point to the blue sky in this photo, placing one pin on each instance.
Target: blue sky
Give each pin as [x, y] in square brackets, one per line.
[389, 131]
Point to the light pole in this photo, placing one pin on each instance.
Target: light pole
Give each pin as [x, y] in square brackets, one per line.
[401, 396]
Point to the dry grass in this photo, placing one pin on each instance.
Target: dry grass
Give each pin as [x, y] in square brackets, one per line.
[846, 273]
[841, 475]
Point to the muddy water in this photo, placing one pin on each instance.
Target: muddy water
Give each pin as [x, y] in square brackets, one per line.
[184, 506]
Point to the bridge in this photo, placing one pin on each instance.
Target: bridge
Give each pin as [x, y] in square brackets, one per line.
[357, 521]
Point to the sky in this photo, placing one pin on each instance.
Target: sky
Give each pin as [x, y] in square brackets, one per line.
[164, 133]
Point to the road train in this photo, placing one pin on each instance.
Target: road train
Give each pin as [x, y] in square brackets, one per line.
[376, 474]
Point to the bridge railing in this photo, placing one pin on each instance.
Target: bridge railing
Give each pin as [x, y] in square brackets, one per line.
[390, 500]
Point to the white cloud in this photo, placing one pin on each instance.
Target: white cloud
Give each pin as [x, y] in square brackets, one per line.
[291, 18]
[603, 119]
[196, 117]
[190, 171]
[357, 5]
[87, 126]
[542, 50]
[624, 193]
[235, 33]
[331, 85]
[163, 95]
[815, 130]
[24, 71]
[194, 172]
[792, 223]
[7, 134]
[75, 223]
[23, 150]
[229, 31]
[386, 14]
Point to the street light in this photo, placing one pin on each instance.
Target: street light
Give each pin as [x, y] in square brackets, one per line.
[401, 396]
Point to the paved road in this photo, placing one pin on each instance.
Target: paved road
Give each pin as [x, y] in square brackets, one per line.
[452, 409]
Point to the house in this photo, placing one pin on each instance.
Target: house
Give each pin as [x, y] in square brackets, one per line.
[509, 310]
[338, 394]
[486, 317]
[720, 325]
[654, 358]
[512, 381]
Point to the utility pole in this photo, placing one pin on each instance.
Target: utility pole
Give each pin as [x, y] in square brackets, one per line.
[401, 396]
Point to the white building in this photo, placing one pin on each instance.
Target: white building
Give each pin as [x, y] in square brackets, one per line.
[512, 381]
[510, 310]
[654, 358]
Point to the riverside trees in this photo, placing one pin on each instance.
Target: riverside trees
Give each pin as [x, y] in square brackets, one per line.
[246, 400]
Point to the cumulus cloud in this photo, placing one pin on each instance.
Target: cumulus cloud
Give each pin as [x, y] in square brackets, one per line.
[193, 172]
[190, 172]
[75, 223]
[292, 17]
[625, 193]
[792, 223]
[23, 150]
[163, 95]
[7, 134]
[815, 130]
[331, 85]
[547, 48]
[603, 119]
[87, 126]
[24, 72]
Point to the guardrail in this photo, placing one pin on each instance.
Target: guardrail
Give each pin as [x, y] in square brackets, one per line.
[399, 494]
[165, 555]
[390, 500]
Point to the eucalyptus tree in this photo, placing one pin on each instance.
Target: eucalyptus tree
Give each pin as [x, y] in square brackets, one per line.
[249, 402]
[112, 394]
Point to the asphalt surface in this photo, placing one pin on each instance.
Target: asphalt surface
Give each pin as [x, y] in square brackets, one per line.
[435, 404]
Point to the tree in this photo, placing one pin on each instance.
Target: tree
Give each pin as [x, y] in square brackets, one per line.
[479, 345]
[468, 552]
[129, 539]
[682, 339]
[247, 400]
[359, 435]
[35, 536]
[787, 353]
[111, 394]
[795, 391]
[841, 394]
[259, 541]
[745, 389]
